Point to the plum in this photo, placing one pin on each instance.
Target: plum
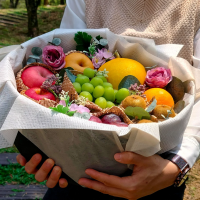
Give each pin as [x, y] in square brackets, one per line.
[120, 124]
[110, 118]
[95, 119]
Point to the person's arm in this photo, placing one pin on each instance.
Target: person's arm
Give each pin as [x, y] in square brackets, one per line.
[189, 148]
[196, 57]
[74, 15]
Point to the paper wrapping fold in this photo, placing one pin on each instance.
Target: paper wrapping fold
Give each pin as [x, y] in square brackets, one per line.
[76, 144]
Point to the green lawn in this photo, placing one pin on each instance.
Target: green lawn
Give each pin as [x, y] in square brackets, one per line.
[49, 18]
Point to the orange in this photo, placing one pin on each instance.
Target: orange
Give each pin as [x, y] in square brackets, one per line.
[162, 96]
[78, 61]
[120, 67]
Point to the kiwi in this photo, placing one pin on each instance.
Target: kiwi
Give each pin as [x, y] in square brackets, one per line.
[176, 89]
[160, 110]
[134, 101]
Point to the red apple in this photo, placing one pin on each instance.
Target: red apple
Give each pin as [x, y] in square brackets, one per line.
[39, 94]
[35, 76]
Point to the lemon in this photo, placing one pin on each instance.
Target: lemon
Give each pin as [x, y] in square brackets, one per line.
[120, 67]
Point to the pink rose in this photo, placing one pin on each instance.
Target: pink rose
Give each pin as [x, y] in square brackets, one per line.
[54, 56]
[158, 77]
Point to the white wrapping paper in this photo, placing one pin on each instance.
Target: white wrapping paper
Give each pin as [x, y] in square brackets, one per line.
[76, 144]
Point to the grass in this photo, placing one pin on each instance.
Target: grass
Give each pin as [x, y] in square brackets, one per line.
[9, 150]
[16, 174]
[49, 18]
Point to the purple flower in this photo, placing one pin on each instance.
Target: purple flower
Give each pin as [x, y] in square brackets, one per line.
[101, 57]
[54, 57]
[98, 61]
[52, 84]
[158, 77]
[80, 109]
[106, 54]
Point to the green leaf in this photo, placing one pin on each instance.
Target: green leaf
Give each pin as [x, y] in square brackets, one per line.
[127, 81]
[31, 60]
[151, 106]
[34, 57]
[84, 115]
[71, 113]
[137, 112]
[103, 42]
[69, 68]
[37, 51]
[62, 73]
[83, 41]
[71, 76]
[149, 68]
[65, 110]
[56, 41]
[99, 37]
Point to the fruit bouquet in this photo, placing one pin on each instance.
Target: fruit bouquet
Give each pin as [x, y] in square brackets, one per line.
[82, 96]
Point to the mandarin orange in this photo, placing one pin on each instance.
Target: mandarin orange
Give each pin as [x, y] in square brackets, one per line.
[162, 96]
[120, 67]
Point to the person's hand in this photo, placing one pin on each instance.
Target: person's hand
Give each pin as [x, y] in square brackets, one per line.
[149, 175]
[42, 173]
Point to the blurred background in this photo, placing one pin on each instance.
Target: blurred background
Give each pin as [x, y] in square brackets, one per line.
[21, 20]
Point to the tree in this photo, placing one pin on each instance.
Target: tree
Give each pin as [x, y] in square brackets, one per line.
[32, 6]
[14, 3]
[46, 2]
[62, 2]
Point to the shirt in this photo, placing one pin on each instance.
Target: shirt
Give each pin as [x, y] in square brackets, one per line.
[189, 148]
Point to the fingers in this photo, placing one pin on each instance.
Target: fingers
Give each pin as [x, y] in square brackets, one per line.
[44, 170]
[109, 180]
[54, 177]
[63, 183]
[21, 160]
[95, 185]
[31, 165]
[129, 158]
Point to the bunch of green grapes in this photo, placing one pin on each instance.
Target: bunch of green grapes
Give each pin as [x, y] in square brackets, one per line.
[98, 90]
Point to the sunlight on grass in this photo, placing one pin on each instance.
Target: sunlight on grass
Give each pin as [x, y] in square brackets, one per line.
[49, 18]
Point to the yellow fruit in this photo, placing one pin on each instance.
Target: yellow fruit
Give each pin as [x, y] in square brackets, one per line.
[78, 61]
[162, 96]
[120, 67]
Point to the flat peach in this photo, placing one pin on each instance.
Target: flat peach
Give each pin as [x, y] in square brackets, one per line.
[78, 61]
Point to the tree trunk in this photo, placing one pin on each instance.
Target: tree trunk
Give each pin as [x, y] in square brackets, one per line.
[62, 2]
[16, 3]
[46, 2]
[12, 4]
[32, 6]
